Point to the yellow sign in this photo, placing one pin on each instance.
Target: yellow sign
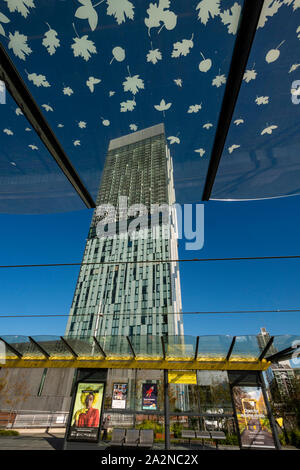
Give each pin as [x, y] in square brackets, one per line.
[182, 377]
[280, 422]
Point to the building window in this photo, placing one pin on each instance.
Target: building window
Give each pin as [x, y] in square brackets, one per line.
[40, 390]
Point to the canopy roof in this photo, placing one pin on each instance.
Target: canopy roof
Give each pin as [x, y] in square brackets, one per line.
[149, 352]
[82, 73]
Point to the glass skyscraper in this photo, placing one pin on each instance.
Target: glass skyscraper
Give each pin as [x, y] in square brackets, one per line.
[124, 293]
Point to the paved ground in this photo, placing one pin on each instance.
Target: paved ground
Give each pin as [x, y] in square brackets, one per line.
[54, 441]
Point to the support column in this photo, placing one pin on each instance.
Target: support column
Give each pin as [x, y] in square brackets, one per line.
[167, 410]
[270, 414]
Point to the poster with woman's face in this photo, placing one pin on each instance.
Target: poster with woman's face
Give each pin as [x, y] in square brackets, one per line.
[86, 412]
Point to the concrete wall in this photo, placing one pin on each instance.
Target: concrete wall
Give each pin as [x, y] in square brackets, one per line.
[55, 395]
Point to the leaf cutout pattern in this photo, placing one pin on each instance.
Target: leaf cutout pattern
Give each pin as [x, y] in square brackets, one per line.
[163, 106]
[18, 43]
[87, 12]
[83, 47]
[38, 80]
[269, 9]
[249, 75]
[47, 107]
[120, 9]
[231, 18]
[201, 151]
[182, 48]
[154, 55]
[68, 91]
[50, 41]
[160, 13]
[233, 147]
[3, 19]
[194, 108]
[174, 140]
[21, 6]
[219, 80]
[208, 9]
[82, 124]
[268, 130]
[91, 82]
[133, 84]
[178, 82]
[128, 105]
[262, 100]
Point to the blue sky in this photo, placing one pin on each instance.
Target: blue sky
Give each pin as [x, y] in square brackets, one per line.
[232, 229]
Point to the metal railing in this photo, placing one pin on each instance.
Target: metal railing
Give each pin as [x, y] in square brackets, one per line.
[33, 419]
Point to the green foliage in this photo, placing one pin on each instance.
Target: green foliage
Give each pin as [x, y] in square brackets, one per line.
[176, 429]
[231, 439]
[148, 424]
[8, 432]
[294, 437]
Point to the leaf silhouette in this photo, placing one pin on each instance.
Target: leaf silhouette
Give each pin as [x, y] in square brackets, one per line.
[47, 107]
[50, 41]
[178, 81]
[237, 122]
[207, 125]
[82, 124]
[21, 6]
[87, 12]
[194, 108]
[8, 132]
[38, 80]
[112, 93]
[154, 55]
[182, 48]
[133, 127]
[262, 100]
[200, 151]
[208, 8]
[33, 147]
[269, 8]
[268, 130]
[18, 43]
[249, 75]
[233, 147]
[163, 106]
[18, 112]
[91, 82]
[118, 54]
[68, 91]
[120, 9]
[76, 143]
[294, 67]
[3, 19]
[133, 84]
[128, 105]
[160, 13]
[231, 18]
[83, 47]
[298, 32]
[174, 140]
[219, 80]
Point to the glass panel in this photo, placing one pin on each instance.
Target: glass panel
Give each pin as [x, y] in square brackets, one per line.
[284, 342]
[180, 347]
[147, 347]
[31, 181]
[100, 72]
[260, 157]
[214, 347]
[54, 346]
[245, 348]
[24, 346]
[214, 392]
[115, 347]
[84, 347]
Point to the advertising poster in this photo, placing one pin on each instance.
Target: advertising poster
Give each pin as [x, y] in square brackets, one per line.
[86, 412]
[254, 425]
[149, 397]
[119, 396]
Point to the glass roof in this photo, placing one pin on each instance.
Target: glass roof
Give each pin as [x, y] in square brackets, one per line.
[101, 70]
[261, 154]
[173, 348]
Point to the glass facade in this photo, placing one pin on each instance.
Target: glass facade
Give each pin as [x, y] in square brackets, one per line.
[134, 297]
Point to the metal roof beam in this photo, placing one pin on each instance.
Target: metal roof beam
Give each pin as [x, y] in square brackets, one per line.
[22, 96]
